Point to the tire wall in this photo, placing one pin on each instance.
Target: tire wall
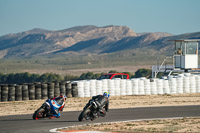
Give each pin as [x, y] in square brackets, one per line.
[75, 90]
[0, 93]
[44, 91]
[36, 91]
[50, 87]
[31, 90]
[4, 93]
[68, 87]
[56, 89]
[25, 94]
[62, 88]
[183, 83]
[18, 93]
[11, 92]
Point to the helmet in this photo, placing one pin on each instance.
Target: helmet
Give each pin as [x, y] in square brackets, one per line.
[64, 97]
[106, 94]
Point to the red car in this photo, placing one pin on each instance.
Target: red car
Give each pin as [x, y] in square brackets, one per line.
[115, 75]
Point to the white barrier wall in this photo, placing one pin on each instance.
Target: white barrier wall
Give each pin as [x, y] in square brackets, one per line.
[141, 87]
[86, 88]
[111, 87]
[166, 88]
[80, 89]
[192, 84]
[183, 83]
[159, 84]
[172, 86]
[117, 87]
[153, 88]
[186, 84]
[129, 88]
[197, 78]
[123, 86]
[99, 87]
[179, 82]
[135, 86]
[147, 88]
[104, 85]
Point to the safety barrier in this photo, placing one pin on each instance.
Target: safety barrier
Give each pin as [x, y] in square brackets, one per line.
[44, 91]
[25, 95]
[183, 83]
[18, 93]
[11, 92]
[36, 91]
[4, 93]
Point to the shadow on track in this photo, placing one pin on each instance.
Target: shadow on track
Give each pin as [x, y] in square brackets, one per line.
[42, 120]
[16, 120]
[61, 121]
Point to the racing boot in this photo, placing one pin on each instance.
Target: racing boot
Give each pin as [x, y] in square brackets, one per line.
[50, 115]
[101, 113]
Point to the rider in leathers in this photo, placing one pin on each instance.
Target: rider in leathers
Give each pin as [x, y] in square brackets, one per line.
[56, 105]
[101, 102]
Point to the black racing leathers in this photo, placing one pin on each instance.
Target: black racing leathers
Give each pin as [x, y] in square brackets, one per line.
[101, 101]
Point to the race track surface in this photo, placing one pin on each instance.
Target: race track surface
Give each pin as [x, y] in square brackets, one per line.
[25, 124]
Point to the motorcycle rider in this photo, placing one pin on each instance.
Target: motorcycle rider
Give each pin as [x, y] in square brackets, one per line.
[101, 101]
[56, 105]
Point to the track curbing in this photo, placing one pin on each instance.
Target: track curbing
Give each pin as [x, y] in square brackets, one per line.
[55, 129]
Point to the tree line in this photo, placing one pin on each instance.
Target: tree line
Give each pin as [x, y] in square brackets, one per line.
[18, 78]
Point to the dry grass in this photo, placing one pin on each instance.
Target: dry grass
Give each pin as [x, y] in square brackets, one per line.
[166, 125]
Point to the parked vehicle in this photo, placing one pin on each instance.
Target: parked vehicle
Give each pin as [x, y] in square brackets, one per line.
[114, 75]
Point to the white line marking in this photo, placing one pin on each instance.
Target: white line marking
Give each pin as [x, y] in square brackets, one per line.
[55, 129]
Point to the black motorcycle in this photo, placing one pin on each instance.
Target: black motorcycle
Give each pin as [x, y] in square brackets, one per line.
[42, 112]
[90, 112]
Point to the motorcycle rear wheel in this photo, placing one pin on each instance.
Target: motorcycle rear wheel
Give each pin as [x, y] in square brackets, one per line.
[38, 114]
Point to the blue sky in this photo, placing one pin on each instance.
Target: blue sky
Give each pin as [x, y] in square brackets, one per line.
[172, 16]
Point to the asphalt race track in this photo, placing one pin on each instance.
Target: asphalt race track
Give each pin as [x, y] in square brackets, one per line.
[25, 124]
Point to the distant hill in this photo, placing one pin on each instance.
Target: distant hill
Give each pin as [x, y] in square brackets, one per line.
[84, 40]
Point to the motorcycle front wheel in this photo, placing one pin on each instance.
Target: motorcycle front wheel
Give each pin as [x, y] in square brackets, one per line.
[84, 114]
[39, 114]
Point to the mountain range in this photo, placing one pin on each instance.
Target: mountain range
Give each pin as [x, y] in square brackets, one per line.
[84, 40]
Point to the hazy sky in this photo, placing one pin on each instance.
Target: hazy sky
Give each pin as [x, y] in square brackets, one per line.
[172, 16]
